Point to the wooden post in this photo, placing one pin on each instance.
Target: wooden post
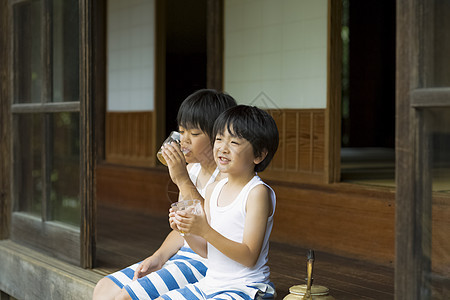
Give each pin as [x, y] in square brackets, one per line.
[333, 112]
[410, 205]
[214, 44]
[87, 227]
[5, 122]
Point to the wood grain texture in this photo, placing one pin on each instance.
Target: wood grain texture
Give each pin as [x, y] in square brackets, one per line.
[301, 152]
[87, 153]
[333, 115]
[51, 238]
[145, 190]
[215, 44]
[344, 219]
[5, 124]
[129, 138]
[346, 278]
[408, 77]
[300, 156]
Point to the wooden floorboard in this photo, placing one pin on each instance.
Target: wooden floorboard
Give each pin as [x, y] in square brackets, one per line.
[126, 237]
[346, 278]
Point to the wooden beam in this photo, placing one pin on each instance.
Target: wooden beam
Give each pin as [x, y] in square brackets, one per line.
[333, 113]
[99, 57]
[52, 238]
[52, 107]
[158, 129]
[411, 74]
[5, 125]
[430, 97]
[87, 154]
[46, 97]
[214, 44]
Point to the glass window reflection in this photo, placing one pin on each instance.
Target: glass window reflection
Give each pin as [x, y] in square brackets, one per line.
[438, 48]
[438, 277]
[65, 51]
[27, 157]
[65, 167]
[28, 64]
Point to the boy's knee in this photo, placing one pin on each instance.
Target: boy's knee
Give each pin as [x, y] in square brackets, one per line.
[105, 289]
[102, 282]
[123, 295]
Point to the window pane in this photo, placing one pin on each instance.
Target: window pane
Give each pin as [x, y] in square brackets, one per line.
[439, 48]
[439, 275]
[64, 173]
[28, 52]
[441, 153]
[27, 168]
[65, 50]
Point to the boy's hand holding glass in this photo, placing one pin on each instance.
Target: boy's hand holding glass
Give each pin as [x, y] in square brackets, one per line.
[174, 136]
[171, 149]
[181, 213]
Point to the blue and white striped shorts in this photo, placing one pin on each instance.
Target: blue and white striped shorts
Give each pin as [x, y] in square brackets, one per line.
[185, 267]
[259, 291]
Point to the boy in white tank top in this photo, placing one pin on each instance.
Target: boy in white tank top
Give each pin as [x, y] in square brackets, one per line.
[233, 232]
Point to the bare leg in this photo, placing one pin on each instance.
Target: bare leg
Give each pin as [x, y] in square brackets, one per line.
[106, 289]
[123, 295]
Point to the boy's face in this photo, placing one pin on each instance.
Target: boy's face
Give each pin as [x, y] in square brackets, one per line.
[195, 145]
[233, 154]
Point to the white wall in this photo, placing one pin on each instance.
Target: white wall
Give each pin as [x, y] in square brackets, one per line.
[131, 51]
[276, 52]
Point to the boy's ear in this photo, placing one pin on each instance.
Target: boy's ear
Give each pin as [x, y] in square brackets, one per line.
[260, 158]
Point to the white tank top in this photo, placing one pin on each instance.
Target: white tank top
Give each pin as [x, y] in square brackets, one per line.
[195, 171]
[230, 221]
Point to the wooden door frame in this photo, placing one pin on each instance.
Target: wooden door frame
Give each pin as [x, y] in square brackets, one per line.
[5, 115]
[87, 136]
[333, 114]
[407, 79]
[214, 44]
[414, 97]
[98, 127]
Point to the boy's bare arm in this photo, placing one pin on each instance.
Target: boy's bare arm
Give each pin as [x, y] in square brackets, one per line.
[179, 174]
[168, 248]
[198, 244]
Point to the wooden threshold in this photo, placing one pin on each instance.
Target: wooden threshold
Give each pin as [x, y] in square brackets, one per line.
[28, 274]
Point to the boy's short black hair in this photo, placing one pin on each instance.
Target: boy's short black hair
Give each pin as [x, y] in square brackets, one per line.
[201, 109]
[253, 124]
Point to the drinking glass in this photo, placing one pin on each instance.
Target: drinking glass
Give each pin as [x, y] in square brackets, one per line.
[192, 206]
[174, 136]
